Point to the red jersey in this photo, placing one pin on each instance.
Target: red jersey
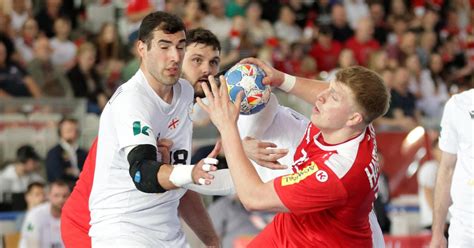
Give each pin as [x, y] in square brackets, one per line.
[75, 216]
[329, 196]
[326, 57]
[362, 51]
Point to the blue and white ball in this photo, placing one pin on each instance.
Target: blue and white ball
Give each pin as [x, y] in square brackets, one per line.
[248, 78]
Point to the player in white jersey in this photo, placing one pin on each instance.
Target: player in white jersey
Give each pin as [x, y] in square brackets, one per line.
[455, 178]
[135, 199]
[41, 227]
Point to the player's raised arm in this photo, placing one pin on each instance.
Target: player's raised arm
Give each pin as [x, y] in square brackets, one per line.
[253, 193]
[306, 89]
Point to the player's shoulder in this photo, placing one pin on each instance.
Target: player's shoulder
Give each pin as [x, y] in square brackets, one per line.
[461, 101]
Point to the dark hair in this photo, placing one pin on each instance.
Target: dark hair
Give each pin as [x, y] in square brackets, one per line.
[159, 20]
[26, 152]
[63, 120]
[325, 30]
[203, 36]
[369, 90]
[34, 184]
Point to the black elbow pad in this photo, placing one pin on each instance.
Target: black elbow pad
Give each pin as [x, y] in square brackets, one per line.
[144, 168]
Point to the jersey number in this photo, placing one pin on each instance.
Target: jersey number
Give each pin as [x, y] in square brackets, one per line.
[179, 157]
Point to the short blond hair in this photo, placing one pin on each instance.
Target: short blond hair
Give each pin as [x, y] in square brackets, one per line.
[369, 90]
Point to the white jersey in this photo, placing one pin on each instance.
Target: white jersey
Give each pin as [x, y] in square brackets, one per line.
[426, 179]
[277, 124]
[136, 115]
[457, 130]
[41, 229]
[285, 127]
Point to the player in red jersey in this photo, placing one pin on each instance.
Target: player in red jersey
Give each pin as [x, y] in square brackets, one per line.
[326, 202]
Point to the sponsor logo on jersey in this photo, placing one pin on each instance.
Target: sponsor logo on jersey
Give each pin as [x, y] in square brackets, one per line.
[300, 175]
[138, 129]
[173, 123]
[322, 176]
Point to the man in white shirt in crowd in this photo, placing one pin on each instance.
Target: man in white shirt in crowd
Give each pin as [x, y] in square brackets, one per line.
[454, 187]
[41, 227]
[16, 177]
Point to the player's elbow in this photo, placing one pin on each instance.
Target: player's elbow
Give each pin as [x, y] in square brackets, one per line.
[253, 203]
[144, 169]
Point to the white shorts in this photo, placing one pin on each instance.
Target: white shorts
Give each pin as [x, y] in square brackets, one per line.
[460, 234]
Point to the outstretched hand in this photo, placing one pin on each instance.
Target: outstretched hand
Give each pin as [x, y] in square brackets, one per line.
[200, 173]
[221, 110]
[274, 77]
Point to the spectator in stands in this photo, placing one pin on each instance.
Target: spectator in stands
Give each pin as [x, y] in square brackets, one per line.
[85, 79]
[231, 220]
[238, 44]
[381, 28]
[398, 9]
[235, 8]
[48, 15]
[355, 11]
[399, 52]
[399, 27]
[260, 30]
[429, 88]
[346, 59]
[64, 50]
[110, 54]
[286, 28]
[426, 182]
[65, 160]
[41, 227]
[24, 41]
[132, 65]
[426, 47]
[402, 114]
[341, 29]
[135, 12]
[18, 175]
[326, 50]
[51, 79]
[193, 14]
[14, 81]
[363, 43]
[19, 14]
[216, 21]
[378, 61]
[322, 10]
[5, 25]
[35, 195]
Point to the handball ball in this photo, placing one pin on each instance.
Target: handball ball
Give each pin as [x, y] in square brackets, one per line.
[248, 78]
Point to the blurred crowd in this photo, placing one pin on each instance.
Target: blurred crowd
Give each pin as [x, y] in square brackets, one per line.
[424, 50]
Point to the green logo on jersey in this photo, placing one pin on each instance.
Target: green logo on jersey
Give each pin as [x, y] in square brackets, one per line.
[29, 228]
[137, 129]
